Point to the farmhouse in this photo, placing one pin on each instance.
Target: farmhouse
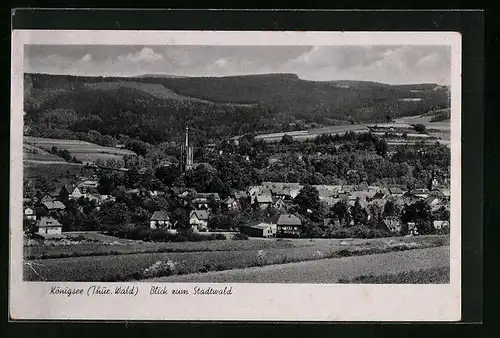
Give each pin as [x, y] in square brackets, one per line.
[29, 214]
[289, 225]
[260, 230]
[198, 219]
[160, 220]
[49, 226]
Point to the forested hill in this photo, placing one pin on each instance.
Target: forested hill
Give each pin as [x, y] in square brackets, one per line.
[156, 108]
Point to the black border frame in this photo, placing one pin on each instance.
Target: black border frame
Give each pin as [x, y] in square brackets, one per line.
[469, 23]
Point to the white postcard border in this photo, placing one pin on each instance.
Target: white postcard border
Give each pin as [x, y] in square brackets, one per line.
[263, 302]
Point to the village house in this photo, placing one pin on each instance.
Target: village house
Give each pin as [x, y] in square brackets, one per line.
[29, 214]
[240, 194]
[76, 193]
[393, 224]
[49, 226]
[289, 225]
[408, 198]
[46, 198]
[446, 194]
[412, 228]
[183, 193]
[199, 203]
[160, 220]
[396, 191]
[420, 193]
[230, 203]
[265, 230]
[263, 201]
[253, 190]
[278, 203]
[433, 202]
[441, 225]
[54, 206]
[88, 184]
[347, 189]
[198, 219]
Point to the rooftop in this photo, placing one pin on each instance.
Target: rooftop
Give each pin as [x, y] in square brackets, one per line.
[289, 219]
[160, 215]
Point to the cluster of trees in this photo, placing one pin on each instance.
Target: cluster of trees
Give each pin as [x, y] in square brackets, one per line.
[64, 154]
[349, 159]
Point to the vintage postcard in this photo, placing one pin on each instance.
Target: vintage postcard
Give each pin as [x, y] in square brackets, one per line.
[220, 175]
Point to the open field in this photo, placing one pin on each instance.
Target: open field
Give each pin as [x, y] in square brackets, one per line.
[313, 133]
[33, 168]
[333, 270]
[96, 244]
[83, 151]
[426, 121]
[208, 256]
[39, 155]
[436, 275]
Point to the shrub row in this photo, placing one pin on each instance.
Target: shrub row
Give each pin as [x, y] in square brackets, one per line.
[160, 235]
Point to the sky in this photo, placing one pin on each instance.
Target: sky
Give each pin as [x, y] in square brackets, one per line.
[387, 64]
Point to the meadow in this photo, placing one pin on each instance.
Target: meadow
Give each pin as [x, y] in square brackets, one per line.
[81, 150]
[36, 155]
[437, 275]
[211, 256]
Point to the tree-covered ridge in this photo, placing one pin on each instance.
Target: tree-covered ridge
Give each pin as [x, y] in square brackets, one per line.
[156, 109]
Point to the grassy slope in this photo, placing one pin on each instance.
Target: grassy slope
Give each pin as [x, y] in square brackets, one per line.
[83, 151]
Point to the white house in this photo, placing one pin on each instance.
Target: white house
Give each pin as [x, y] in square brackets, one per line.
[198, 219]
[76, 193]
[160, 219]
[29, 214]
[440, 225]
[49, 226]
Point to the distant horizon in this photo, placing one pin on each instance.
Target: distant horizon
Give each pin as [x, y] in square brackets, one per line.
[159, 75]
[391, 64]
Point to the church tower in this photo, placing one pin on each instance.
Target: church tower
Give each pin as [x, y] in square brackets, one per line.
[188, 152]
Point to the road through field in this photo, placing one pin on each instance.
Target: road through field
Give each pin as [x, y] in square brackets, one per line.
[326, 270]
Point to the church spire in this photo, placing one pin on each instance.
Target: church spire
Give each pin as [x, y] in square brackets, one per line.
[189, 151]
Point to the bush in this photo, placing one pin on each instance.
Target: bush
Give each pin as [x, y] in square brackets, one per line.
[159, 269]
[240, 237]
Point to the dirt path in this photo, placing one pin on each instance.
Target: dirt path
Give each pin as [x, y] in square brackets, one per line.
[326, 270]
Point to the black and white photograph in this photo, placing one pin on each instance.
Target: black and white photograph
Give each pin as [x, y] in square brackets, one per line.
[227, 164]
